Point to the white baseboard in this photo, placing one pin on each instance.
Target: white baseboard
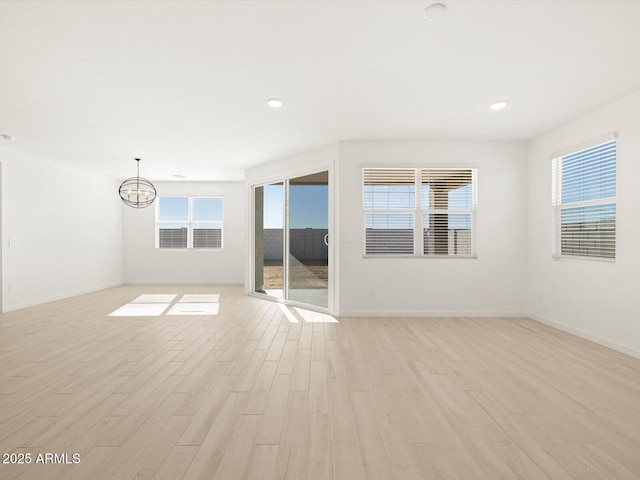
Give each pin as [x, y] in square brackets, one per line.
[448, 313]
[620, 347]
[53, 298]
[184, 283]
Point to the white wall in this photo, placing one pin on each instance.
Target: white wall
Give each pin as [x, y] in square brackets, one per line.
[143, 263]
[492, 284]
[597, 300]
[313, 160]
[62, 231]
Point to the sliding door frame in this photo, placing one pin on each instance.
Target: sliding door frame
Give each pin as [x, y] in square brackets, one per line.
[285, 226]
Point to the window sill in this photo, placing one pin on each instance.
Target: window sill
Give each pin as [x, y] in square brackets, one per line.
[422, 256]
[189, 249]
[575, 258]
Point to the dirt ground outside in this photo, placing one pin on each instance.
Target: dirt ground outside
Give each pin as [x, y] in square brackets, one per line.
[301, 276]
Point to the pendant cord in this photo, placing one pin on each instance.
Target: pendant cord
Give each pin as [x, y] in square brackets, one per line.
[138, 182]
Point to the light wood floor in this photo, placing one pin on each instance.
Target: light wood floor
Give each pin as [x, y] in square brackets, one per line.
[248, 395]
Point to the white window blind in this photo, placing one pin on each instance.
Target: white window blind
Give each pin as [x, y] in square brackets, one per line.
[584, 202]
[389, 202]
[423, 212]
[189, 222]
[448, 203]
[206, 221]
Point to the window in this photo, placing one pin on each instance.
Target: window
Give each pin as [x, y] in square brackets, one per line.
[584, 203]
[421, 212]
[389, 204]
[189, 222]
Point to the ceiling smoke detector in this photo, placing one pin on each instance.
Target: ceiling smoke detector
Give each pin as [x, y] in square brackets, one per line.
[434, 11]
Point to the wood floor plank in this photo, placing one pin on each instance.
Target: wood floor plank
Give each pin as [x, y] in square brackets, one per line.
[404, 462]
[306, 335]
[210, 453]
[347, 462]
[199, 392]
[374, 455]
[318, 388]
[320, 464]
[301, 371]
[261, 389]
[317, 346]
[262, 462]
[288, 358]
[434, 464]
[247, 376]
[275, 351]
[275, 412]
[342, 422]
[177, 462]
[207, 414]
[236, 456]
[291, 461]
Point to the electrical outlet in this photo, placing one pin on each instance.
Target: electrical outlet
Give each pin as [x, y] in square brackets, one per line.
[372, 292]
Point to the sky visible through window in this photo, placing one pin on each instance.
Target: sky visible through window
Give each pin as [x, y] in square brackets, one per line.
[176, 209]
[402, 197]
[589, 174]
[311, 206]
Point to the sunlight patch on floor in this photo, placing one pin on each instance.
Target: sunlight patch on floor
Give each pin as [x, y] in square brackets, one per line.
[309, 316]
[274, 293]
[297, 314]
[140, 310]
[200, 297]
[156, 304]
[288, 313]
[194, 309]
[155, 298]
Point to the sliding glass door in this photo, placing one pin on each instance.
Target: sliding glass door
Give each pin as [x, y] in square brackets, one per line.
[308, 239]
[269, 239]
[291, 239]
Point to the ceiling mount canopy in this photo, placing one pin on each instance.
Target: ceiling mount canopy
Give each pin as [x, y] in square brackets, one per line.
[137, 192]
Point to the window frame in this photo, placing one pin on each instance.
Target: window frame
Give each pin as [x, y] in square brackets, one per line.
[557, 206]
[418, 212]
[190, 223]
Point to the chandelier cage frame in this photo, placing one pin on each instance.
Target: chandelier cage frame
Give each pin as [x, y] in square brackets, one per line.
[137, 192]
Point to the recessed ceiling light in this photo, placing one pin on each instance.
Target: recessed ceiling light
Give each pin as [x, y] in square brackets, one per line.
[275, 103]
[177, 175]
[434, 11]
[498, 105]
[8, 138]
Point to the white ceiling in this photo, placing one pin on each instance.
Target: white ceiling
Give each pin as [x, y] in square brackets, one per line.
[183, 84]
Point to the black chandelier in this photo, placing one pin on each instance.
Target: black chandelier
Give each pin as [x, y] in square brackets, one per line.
[137, 192]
